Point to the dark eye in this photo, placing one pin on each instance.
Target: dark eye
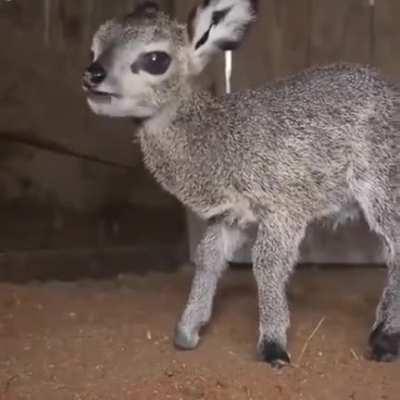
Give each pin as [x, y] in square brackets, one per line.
[155, 63]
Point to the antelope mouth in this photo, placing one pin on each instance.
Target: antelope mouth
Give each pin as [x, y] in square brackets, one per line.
[99, 95]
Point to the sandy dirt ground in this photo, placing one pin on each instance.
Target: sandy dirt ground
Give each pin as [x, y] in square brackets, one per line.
[93, 340]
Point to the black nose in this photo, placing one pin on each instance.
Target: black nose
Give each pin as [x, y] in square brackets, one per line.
[95, 73]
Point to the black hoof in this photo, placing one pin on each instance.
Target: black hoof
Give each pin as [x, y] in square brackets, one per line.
[274, 354]
[384, 346]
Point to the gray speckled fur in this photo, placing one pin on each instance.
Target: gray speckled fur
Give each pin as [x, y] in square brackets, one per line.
[283, 155]
[318, 143]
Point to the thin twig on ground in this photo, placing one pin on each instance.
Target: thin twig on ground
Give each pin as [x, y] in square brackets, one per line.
[308, 341]
[354, 354]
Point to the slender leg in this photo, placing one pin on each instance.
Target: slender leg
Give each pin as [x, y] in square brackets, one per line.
[275, 256]
[384, 218]
[211, 261]
[385, 336]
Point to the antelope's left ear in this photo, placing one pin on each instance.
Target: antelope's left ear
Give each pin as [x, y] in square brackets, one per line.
[216, 26]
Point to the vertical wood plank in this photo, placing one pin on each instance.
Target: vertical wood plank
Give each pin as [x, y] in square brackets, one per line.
[387, 37]
[340, 31]
[277, 43]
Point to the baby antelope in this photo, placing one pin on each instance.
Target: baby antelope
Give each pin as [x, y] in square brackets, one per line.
[276, 158]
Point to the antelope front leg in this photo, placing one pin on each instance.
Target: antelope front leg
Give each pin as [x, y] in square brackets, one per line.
[210, 264]
[274, 255]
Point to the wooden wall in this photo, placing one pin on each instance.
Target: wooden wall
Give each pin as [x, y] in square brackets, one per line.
[69, 180]
[293, 34]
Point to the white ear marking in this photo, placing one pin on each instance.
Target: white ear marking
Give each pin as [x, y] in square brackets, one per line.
[218, 25]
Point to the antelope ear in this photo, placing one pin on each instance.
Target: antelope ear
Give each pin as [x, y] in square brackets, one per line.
[216, 26]
[145, 9]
